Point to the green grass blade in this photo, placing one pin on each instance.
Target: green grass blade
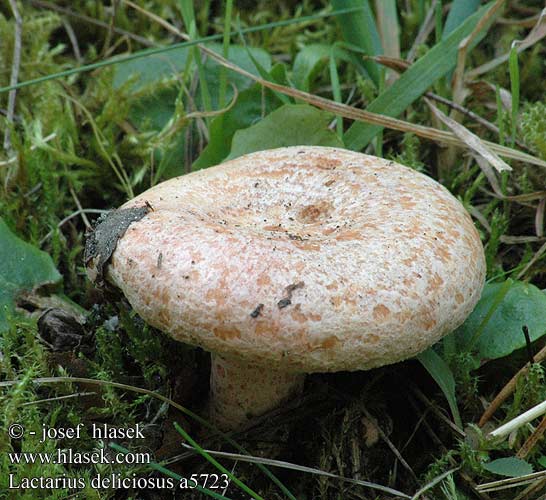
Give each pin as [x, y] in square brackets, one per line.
[459, 11]
[266, 75]
[503, 290]
[223, 70]
[500, 121]
[513, 66]
[388, 26]
[188, 16]
[439, 370]
[217, 464]
[360, 29]
[336, 90]
[438, 21]
[414, 82]
[160, 50]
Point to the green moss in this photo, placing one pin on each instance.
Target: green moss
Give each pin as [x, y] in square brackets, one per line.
[533, 127]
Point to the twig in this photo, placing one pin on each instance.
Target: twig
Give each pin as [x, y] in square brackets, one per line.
[537, 33]
[532, 489]
[59, 398]
[389, 443]
[71, 216]
[401, 65]
[511, 482]
[438, 412]
[80, 208]
[73, 40]
[532, 440]
[472, 141]
[16, 63]
[519, 421]
[538, 255]
[440, 446]
[508, 389]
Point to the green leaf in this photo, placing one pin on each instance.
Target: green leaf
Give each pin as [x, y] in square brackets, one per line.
[415, 81]
[441, 373]
[23, 268]
[251, 106]
[501, 333]
[308, 63]
[359, 29]
[155, 82]
[290, 125]
[510, 467]
[388, 26]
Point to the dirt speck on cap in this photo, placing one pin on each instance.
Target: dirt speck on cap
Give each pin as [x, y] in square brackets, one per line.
[101, 241]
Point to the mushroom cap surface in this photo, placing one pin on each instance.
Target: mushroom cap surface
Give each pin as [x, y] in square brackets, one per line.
[309, 258]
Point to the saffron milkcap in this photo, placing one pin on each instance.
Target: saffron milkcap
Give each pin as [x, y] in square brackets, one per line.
[298, 260]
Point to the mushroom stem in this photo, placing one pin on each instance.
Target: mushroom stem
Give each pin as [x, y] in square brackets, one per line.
[241, 391]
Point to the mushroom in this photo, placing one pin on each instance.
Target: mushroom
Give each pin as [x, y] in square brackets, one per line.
[297, 260]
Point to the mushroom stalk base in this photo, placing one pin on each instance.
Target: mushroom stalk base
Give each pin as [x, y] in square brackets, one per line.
[241, 391]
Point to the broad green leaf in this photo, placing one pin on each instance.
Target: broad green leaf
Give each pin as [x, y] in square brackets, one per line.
[459, 11]
[308, 63]
[290, 125]
[510, 467]
[501, 334]
[251, 106]
[313, 58]
[441, 373]
[415, 81]
[359, 29]
[23, 268]
[542, 461]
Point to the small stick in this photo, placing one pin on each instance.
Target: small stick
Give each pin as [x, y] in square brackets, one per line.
[73, 40]
[519, 421]
[80, 208]
[14, 71]
[508, 389]
[458, 77]
[438, 412]
[525, 330]
[533, 488]
[389, 443]
[535, 257]
[532, 440]
[539, 218]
